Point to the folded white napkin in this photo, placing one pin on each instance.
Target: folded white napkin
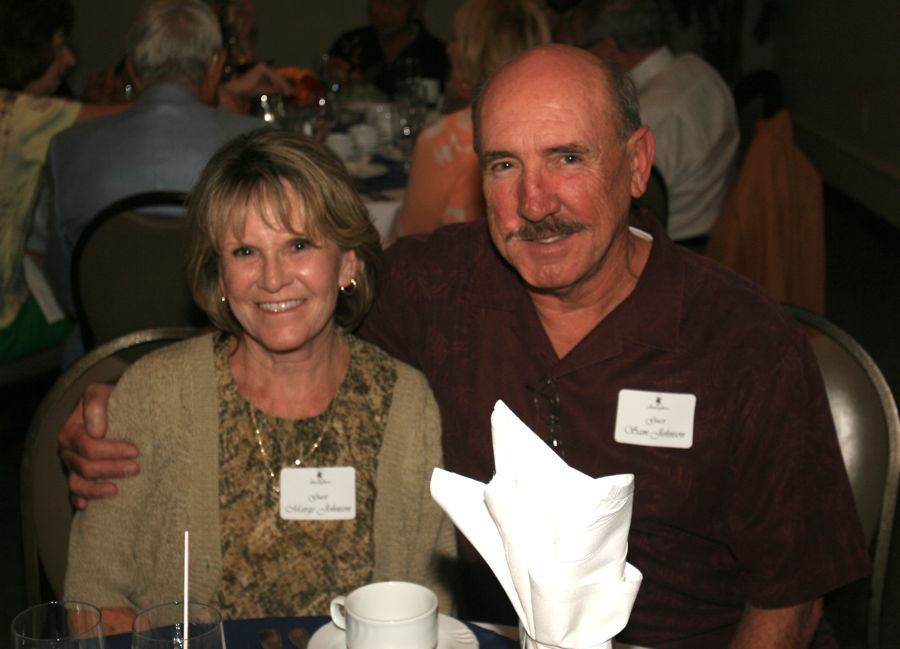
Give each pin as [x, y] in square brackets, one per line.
[555, 538]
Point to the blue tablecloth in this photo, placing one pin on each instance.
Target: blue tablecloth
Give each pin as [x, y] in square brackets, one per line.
[242, 634]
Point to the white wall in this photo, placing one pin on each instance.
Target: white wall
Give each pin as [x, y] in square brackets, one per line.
[840, 64]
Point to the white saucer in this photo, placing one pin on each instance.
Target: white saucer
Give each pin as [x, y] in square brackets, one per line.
[452, 634]
[368, 170]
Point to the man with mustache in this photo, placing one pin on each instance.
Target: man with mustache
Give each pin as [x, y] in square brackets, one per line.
[627, 354]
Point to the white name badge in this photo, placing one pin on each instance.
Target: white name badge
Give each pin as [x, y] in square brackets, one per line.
[662, 419]
[318, 494]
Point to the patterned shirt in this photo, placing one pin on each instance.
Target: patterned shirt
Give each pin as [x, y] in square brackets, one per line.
[27, 123]
[272, 566]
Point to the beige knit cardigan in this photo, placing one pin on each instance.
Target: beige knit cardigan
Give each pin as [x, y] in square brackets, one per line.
[127, 550]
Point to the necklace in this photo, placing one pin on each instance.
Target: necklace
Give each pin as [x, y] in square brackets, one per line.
[266, 457]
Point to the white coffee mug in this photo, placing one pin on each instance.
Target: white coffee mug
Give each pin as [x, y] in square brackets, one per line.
[388, 615]
[365, 136]
[342, 144]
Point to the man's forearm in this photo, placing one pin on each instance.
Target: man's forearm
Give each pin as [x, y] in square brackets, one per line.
[781, 628]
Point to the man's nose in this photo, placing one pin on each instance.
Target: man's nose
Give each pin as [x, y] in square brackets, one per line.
[537, 197]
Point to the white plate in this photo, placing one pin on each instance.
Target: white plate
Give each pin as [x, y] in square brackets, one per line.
[368, 170]
[452, 634]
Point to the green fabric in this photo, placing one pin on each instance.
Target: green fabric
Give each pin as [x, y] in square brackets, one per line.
[29, 332]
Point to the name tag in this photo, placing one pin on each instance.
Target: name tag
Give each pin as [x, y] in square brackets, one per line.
[318, 494]
[661, 419]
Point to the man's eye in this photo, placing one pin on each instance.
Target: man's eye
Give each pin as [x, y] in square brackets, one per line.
[300, 244]
[570, 158]
[501, 166]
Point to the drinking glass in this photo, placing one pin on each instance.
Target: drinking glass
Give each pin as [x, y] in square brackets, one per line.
[58, 625]
[410, 116]
[162, 627]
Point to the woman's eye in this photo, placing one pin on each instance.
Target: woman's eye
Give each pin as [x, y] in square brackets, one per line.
[242, 252]
[301, 244]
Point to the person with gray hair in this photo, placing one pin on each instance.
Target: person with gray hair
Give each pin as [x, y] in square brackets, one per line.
[683, 99]
[162, 142]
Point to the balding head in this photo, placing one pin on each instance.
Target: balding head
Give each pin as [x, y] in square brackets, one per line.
[566, 72]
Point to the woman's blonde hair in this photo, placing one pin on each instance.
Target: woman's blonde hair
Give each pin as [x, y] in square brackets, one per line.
[273, 170]
[490, 32]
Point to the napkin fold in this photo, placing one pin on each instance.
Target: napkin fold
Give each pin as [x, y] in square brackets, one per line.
[555, 538]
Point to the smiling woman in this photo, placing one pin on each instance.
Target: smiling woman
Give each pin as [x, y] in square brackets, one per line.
[242, 429]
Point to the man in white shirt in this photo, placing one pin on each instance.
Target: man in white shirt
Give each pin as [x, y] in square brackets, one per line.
[686, 103]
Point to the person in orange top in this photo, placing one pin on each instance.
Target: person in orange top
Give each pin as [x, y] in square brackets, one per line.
[445, 179]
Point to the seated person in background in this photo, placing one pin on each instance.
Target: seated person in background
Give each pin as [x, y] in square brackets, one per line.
[34, 58]
[683, 99]
[444, 179]
[375, 54]
[162, 143]
[587, 321]
[284, 260]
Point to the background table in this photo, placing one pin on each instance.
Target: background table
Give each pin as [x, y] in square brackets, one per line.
[242, 634]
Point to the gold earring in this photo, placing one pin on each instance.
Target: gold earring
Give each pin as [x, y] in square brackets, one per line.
[350, 288]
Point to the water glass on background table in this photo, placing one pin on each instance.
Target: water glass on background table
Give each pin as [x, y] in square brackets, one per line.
[58, 625]
[162, 627]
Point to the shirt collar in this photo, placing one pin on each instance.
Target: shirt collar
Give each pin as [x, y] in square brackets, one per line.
[655, 63]
[171, 93]
[650, 316]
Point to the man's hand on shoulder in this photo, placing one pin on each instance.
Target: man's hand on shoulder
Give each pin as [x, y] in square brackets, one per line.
[91, 459]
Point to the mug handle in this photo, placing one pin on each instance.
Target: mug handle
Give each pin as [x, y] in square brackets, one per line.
[338, 614]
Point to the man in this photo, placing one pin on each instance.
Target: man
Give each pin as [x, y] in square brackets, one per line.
[393, 46]
[683, 99]
[588, 324]
[162, 142]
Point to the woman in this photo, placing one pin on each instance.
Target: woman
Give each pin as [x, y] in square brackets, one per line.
[283, 258]
[34, 58]
[445, 180]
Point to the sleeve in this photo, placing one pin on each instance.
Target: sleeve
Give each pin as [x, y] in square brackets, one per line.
[104, 564]
[418, 539]
[791, 517]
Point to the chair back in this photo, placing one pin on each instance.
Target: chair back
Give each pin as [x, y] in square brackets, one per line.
[128, 269]
[868, 429]
[656, 197]
[46, 512]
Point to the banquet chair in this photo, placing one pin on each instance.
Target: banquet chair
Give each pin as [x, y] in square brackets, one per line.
[46, 512]
[656, 197]
[128, 269]
[868, 428]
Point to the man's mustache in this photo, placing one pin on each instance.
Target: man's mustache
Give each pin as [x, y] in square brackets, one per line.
[546, 228]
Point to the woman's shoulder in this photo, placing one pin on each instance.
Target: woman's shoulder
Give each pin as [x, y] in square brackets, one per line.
[169, 365]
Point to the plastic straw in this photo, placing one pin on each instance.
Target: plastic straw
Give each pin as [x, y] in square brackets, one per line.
[187, 554]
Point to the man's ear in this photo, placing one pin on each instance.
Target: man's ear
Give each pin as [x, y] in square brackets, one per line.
[210, 89]
[641, 149]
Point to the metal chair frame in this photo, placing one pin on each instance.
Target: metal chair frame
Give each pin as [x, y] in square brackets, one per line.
[46, 511]
[884, 529]
[142, 286]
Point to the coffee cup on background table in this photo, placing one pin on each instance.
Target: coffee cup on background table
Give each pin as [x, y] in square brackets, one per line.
[342, 144]
[388, 615]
